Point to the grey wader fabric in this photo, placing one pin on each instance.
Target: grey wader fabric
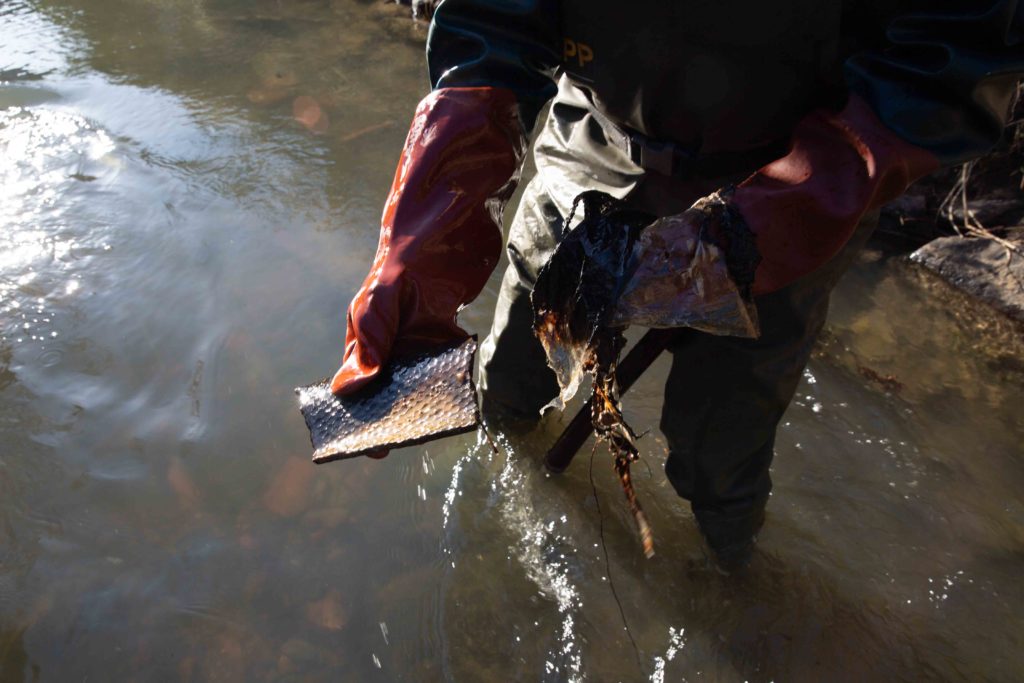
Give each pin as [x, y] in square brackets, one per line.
[724, 396]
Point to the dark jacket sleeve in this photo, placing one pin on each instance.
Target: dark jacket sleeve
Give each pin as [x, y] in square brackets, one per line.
[942, 78]
[509, 44]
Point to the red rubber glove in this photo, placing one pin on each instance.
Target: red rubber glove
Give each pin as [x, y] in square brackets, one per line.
[804, 207]
[440, 234]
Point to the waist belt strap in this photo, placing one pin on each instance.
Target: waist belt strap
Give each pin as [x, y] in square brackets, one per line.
[671, 159]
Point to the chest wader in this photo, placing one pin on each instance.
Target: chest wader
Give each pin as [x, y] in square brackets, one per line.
[724, 396]
[877, 91]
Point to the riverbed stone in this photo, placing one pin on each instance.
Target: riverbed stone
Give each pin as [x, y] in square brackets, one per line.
[983, 268]
[991, 211]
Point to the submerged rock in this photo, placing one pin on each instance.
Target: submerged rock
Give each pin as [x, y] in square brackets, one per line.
[327, 612]
[983, 268]
[310, 114]
[181, 483]
[288, 494]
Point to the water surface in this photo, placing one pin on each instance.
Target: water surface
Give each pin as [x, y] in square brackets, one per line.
[176, 252]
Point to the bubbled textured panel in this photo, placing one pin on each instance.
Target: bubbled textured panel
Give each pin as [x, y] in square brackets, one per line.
[412, 401]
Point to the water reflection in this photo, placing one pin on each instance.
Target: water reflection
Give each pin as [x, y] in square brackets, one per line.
[178, 242]
[15, 664]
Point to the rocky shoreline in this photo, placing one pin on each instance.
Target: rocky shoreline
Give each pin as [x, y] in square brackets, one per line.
[965, 225]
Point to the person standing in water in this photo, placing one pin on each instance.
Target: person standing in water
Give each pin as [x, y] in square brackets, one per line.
[809, 116]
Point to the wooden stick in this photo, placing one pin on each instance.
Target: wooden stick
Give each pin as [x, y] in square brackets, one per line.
[639, 358]
[642, 526]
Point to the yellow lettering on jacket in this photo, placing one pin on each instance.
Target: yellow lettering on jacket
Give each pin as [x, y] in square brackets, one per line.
[581, 52]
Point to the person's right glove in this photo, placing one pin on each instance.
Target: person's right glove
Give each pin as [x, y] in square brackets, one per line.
[440, 234]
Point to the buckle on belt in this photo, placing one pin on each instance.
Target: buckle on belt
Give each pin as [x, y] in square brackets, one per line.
[652, 155]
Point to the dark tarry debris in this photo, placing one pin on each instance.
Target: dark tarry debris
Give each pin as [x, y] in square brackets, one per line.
[619, 267]
[576, 289]
[414, 400]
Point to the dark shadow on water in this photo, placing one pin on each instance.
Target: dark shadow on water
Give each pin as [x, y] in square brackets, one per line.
[779, 622]
[15, 665]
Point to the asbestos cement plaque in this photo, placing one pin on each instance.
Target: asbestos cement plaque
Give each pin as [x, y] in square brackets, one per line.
[413, 401]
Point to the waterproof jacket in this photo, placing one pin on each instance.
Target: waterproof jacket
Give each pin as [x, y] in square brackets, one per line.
[716, 76]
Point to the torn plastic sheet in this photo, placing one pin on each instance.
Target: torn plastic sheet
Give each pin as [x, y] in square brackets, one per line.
[619, 267]
[679, 277]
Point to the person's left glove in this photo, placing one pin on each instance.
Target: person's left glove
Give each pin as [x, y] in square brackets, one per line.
[783, 222]
[440, 234]
[805, 207]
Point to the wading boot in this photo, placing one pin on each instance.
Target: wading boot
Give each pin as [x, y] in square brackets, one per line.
[729, 538]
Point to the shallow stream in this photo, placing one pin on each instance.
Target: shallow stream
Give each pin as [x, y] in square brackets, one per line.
[176, 252]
